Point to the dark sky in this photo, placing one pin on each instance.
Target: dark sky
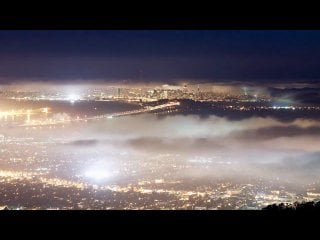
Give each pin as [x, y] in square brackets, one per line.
[159, 55]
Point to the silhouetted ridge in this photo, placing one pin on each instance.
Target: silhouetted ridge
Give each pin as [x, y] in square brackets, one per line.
[304, 206]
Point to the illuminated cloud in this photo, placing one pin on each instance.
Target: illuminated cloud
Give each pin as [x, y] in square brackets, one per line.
[250, 147]
[276, 132]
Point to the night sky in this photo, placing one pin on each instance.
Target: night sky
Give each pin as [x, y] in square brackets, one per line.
[156, 55]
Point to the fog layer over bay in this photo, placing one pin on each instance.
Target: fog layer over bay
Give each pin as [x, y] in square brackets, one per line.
[216, 147]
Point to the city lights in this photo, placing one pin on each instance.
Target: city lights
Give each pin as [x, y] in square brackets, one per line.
[72, 97]
[97, 174]
[73, 155]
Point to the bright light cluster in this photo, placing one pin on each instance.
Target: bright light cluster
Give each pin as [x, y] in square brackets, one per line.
[97, 174]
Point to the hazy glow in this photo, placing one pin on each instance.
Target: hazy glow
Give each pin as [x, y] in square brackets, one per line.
[97, 174]
[72, 97]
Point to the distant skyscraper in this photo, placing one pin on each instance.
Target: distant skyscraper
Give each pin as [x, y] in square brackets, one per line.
[119, 91]
[245, 91]
[165, 94]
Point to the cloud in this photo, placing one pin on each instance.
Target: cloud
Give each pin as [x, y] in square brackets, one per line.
[174, 145]
[303, 95]
[276, 132]
[84, 143]
[211, 148]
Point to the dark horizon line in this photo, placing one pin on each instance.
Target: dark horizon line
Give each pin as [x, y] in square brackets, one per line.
[173, 81]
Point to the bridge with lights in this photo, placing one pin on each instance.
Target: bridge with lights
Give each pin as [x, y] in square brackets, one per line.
[146, 109]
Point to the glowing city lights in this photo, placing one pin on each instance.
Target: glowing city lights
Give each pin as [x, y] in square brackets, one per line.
[70, 158]
[97, 174]
[72, 97]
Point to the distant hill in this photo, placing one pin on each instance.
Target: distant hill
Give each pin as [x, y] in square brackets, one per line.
[303, 206]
